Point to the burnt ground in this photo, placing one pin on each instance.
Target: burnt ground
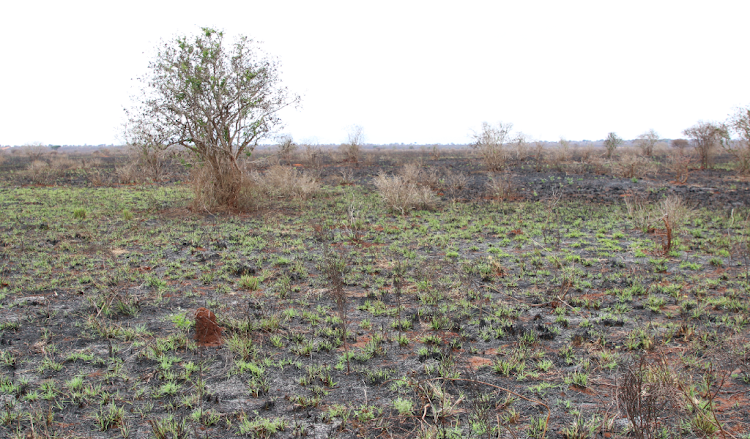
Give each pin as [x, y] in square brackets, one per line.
[520, 318]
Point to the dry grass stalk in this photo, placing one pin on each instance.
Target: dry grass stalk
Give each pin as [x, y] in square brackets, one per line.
[335, 267]
[286, 181]
[648, 395]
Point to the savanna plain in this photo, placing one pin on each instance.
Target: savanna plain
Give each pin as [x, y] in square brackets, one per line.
[376, 293]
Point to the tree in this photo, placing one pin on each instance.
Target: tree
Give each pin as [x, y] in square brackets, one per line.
[647, 141]
[739, 124]
[706, 136]
[217, 100]
[611, 143]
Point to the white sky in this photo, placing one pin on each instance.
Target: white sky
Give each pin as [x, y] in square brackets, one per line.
[407, 71]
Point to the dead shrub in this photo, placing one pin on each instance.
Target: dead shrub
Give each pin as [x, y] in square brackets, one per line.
[62, 163]
[454, 182]
[500, 187]
[34, 151]
[285, 182]
[313, 156]
[401, 196]
[675, 210]
[492, 145]
[286, 147]
[679, 163]
[128, 173]
[639, 212]
[151, 163]
[234, 189]
[40, 172]
[412, 173]
[633, 166]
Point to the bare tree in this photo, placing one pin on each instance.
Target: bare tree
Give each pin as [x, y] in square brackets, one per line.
[611, 143]
[216, 100]
[706, 136]
[647, 141]
[739, 124]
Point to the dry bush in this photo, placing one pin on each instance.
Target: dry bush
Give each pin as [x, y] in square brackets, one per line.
[34, 151]
[234, 189]
[313, 156]
[739, 125]
[352, 149]
[500, 187]
[537, 153]
[129, 173]
[149, 163]
[560, 155]
[40, 172]
[401, 196]
[62, 163]
[633, 166]
[346, 176]
[492, 145]
[598, 164]
[647, 141]
[286, 181]
[286, 147]
[576, 168]
[412, 173]
[2, 157]
[679, 163]
[675, 210]
[454, 182]
[639, 211]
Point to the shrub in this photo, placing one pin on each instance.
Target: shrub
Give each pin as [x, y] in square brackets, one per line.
[402, 196]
